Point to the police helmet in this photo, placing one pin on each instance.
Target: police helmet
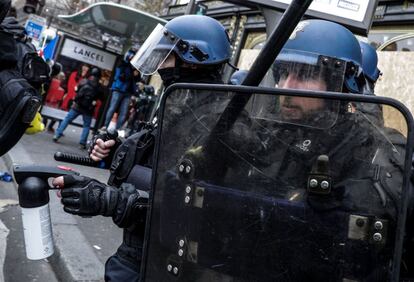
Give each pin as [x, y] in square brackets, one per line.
[195, 39]
[326, 50]
[237, 77]
[369, 61]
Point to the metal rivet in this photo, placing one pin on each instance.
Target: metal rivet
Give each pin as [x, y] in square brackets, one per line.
[378, 225]
[325, 61]
[169, 267]
[338, 64]
[388, 175]
[377, 237]
[188, 169]
[187, 199]
[181, 168]
[324, 184]
[180, 252]
[313, 183]
[360, 222]
[181, 243]
[188, 189]
[175, 270]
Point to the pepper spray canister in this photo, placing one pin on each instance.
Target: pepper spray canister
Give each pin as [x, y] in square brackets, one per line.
[37, 227]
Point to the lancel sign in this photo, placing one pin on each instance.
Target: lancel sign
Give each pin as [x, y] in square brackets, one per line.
[88, 54]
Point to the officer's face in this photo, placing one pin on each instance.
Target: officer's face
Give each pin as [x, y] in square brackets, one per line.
[169, 62]
[296, 108]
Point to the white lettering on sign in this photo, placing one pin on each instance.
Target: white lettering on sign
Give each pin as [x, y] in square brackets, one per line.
[87, 54]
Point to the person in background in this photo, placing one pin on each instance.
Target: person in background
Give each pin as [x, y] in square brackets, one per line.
[89, 91]
[74, 78]
[122, 89]
[54, 96]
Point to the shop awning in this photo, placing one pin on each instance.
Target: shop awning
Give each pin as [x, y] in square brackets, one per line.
[115, 19]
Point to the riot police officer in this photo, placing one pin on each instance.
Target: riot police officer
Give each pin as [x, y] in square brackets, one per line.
[180, 53]
[306, 189]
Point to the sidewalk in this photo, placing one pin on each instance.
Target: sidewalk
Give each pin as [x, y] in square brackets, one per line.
[82, 245]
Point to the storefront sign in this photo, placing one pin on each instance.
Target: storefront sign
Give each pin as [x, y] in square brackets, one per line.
[356, 14]
[87, 54]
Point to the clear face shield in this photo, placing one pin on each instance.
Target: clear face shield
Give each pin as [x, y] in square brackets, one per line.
[304, 71]
[155, 50]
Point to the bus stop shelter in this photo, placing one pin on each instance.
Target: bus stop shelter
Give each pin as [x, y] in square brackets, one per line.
[114, 22]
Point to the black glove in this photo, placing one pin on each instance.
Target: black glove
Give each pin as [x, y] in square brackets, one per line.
[86, 196]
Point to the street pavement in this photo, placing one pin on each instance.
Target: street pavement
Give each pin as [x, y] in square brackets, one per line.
[82, 244]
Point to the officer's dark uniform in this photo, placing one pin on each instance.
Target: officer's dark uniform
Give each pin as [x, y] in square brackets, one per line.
[22, 73]
[133, 159]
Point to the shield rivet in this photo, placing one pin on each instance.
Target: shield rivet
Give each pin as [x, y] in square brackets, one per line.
[175, 270]
[181, 243]
[360, 222]
[188, 169]
[181, 168]
[377, 237]
[187, 199]
[188, 189]
[378, 225]
[169, 267]
[180, 252]
[313, 183]
[324, 184]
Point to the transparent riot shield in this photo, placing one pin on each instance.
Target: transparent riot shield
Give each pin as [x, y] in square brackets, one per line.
[256, 195]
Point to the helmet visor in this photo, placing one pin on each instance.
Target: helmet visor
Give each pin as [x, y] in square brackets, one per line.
[298, 70]
[155, 50]
[308, 71]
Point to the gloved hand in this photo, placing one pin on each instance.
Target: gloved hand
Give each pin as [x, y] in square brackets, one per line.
[85, 196]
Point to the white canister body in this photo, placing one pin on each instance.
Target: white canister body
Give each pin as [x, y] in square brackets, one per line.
[38, 237]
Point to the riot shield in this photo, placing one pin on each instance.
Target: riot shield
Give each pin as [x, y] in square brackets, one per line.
[283, 193]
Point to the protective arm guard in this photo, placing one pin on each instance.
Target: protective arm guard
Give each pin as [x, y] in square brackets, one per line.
[131, 207]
